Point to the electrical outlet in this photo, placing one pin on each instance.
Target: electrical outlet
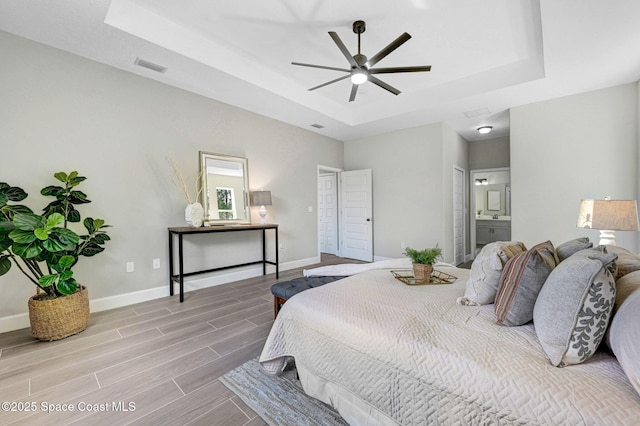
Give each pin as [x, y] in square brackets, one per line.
[130, 266]
[403, 246]
[310, 209]
[156, 263]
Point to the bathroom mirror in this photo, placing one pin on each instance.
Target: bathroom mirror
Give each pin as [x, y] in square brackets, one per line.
[493, 200]
[225, 188]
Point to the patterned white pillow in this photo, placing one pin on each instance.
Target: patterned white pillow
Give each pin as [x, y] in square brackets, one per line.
[573, 309]
[486, 270]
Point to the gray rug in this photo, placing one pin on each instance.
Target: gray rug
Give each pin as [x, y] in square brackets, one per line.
[278, 400]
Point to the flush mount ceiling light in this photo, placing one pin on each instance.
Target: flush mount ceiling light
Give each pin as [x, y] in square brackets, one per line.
[484, 130]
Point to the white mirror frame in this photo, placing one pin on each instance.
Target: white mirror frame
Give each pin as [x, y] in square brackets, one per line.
[242, 211]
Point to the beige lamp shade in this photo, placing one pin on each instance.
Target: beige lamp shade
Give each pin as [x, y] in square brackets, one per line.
[617, 215]
[608, 216]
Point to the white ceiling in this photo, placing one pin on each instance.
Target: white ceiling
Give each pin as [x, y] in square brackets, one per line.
[487, 56]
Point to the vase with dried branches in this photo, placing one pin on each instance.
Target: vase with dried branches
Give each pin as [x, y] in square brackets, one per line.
[194, 212]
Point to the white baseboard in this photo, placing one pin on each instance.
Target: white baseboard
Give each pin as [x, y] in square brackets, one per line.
[18, 321]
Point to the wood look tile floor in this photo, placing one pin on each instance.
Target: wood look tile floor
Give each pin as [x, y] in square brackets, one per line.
[153, 363]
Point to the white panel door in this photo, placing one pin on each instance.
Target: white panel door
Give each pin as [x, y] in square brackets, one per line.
[328, 213]
[458, 215]
[357, 208]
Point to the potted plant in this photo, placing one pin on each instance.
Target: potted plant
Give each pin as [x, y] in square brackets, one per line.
[45, 249]
[423, 261]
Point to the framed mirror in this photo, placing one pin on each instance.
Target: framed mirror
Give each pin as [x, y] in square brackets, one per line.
[493, 200]
[225, 188]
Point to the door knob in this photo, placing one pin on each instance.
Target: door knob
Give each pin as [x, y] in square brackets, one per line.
[368, 219]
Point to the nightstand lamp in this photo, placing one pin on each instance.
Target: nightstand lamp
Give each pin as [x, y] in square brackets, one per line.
[608, 216]
[262, 198]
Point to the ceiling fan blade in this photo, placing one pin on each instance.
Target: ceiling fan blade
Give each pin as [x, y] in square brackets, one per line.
[384, 85]
[320, 66]
[343, 49]
[390, 48]
[330, 82]
[354, 90]
[399, 69]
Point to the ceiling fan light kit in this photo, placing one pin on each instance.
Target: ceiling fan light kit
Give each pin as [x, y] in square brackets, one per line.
[361, 68]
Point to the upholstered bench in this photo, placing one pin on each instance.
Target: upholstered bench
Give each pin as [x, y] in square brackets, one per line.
[283, 291]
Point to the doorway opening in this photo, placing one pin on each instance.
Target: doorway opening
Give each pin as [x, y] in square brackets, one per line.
[328, 211]
[345, 207]
[490, 198]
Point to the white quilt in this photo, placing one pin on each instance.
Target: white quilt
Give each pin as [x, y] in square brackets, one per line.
[382, 352]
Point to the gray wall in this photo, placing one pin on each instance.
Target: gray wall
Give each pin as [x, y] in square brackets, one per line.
[60, 112]
[489, 154]
[567, 149]
[412, 186]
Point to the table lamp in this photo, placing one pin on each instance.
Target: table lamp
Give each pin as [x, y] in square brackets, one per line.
[608, 216]
[262, 198]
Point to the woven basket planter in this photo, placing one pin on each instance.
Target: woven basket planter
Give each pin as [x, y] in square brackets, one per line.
[55, 319]
[422, 271]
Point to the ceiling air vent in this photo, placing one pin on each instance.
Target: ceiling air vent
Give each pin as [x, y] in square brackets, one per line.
[317, 126]
[150, 65]
[477, 112]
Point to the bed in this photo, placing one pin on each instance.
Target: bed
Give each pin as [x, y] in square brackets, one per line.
[382, 352]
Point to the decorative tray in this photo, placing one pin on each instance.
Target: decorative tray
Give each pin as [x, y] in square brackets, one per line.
[437, 277]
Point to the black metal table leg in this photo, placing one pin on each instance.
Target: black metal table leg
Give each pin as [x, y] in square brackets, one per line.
[277, 251]
[181, 268]
[264, 252]
[170, 263]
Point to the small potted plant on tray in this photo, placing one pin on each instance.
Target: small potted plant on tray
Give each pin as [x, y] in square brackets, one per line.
[45, 249]
[423, 261]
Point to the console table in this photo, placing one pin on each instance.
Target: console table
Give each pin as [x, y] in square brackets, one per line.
[186, 230]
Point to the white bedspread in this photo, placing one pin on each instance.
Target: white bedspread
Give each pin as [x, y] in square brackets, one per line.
[382, 352]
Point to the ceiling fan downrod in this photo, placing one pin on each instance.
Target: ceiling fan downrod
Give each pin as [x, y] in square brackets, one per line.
[359, 27]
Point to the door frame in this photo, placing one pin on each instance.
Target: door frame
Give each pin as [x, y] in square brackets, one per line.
[320, 168]
[464, 213]
[472, 203]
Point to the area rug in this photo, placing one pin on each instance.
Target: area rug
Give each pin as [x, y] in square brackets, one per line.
[278, 400]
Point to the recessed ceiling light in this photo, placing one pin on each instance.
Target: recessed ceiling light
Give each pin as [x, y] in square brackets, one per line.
[484, 130]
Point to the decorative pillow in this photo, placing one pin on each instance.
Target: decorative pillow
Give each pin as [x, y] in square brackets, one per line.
[609, 260]
[486, 270]
[548, 253]
[573, 309]
[522, 278]
[624, 287]
[624, 335]
[627, 261]
[565, 250]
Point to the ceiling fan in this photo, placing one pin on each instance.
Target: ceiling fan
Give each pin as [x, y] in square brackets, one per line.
[361, 68]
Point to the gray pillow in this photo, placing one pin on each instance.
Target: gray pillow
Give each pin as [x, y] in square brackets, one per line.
[565, 250]
[573, 310]
[624, 335]
[521, 281]
[609, 260]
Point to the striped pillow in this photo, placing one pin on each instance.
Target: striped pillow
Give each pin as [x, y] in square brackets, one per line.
[522, 278]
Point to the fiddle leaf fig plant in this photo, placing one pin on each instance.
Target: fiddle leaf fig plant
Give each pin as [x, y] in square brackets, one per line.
[43, 247]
